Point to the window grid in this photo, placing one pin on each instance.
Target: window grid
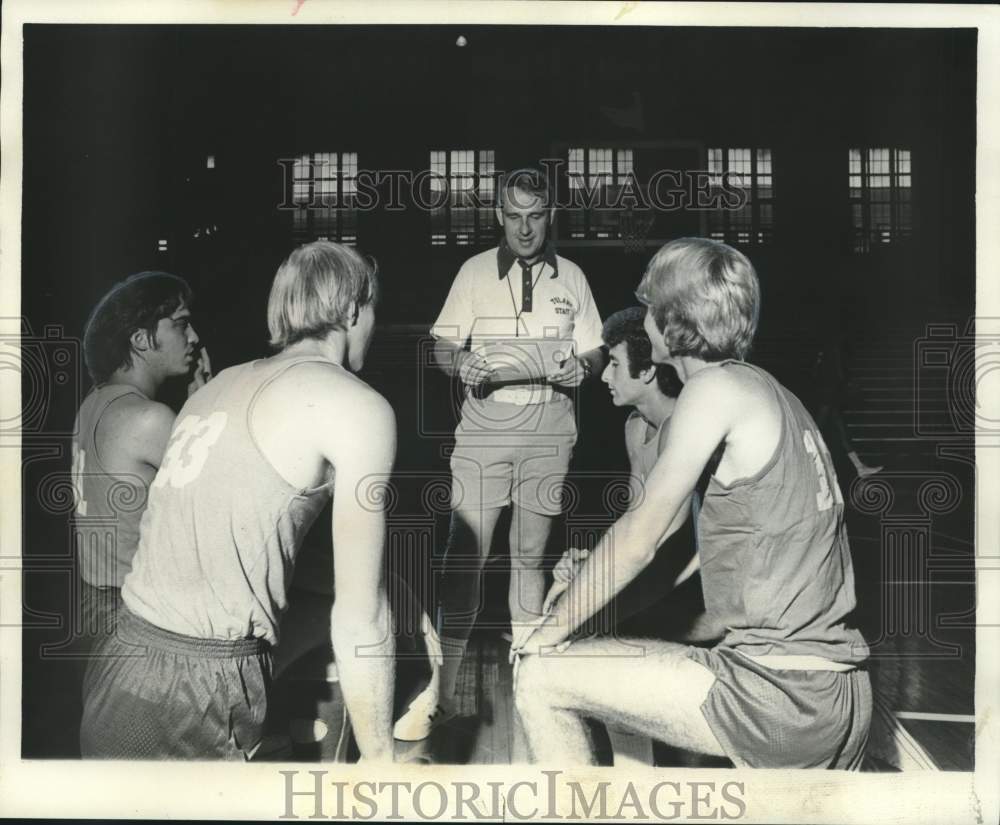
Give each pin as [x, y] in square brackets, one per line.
[594, 168]
[324, 189]
[880, 196]
[752, 170]
[465, 215]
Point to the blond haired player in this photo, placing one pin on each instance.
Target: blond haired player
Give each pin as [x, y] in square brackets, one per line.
[252, 460]
[785, 685]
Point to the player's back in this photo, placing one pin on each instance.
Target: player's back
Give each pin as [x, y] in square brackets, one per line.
[774, 549]
[223, 526]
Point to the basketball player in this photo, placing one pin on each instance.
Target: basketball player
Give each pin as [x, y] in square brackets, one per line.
[651, 389]
[251, 461]
[139, 335]
[785, 685]
[517, 303]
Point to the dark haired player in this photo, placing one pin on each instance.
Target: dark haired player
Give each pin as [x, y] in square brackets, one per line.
[646, 607]
[139, 335]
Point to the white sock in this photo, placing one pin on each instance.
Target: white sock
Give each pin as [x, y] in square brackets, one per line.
[447, 674]
[855, 460]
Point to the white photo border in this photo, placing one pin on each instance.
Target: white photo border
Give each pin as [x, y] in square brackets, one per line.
[75, 789]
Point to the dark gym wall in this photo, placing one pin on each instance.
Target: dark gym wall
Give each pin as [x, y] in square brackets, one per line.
[119, 121]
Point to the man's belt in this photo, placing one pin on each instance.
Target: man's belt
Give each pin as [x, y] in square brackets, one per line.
[530, 394]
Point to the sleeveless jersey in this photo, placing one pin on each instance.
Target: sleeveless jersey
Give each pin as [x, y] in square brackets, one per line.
[775, 559]
[642, 446]
[675, 559]
[109, 507]
[223, 527]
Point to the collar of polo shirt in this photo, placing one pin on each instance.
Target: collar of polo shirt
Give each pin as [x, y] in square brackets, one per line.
[506, 258]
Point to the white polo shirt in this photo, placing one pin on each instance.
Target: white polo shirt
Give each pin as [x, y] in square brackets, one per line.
[484, 306]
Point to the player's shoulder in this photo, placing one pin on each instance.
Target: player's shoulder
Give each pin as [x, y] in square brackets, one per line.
[634, 421]
[635, 429]
[142, 417]
[734, 385]
[315, 376]
[331, 388]
[715, 382]
[364, 399]
[750, 380]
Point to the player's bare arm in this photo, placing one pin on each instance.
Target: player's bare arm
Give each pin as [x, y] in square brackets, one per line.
[361, 448]
[133, 435]
[704, 416]
[319, 419]
[153, 425]
[573, 558]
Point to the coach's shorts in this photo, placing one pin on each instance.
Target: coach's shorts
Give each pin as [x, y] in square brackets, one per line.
[508, 453]
[767, 718]
[152, 694]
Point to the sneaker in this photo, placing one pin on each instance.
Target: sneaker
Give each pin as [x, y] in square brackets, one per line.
[421, 717]
[864, 471]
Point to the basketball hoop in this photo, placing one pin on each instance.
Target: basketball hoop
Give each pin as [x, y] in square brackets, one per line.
[633, 229]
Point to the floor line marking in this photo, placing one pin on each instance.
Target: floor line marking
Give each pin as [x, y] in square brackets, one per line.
[935, 717]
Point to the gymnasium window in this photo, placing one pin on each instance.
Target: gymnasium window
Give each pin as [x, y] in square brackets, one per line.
[752, 171]
[324, 192]
[462, 191]
[880, 182]
[595, 176]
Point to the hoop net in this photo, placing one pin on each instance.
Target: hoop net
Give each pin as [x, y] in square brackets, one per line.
[633, 229]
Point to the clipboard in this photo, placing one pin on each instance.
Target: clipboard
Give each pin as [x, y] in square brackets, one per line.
[526, 360]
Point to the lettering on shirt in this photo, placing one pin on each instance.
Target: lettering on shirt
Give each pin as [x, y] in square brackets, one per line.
[562, 306]
[188, 449]
[824, 498]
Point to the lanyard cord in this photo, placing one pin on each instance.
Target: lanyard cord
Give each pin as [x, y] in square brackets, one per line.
[513, 303]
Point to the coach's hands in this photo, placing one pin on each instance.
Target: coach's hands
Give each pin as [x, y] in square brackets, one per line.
[571, 373]
[564, 572]
[474, 370]
[202, 372]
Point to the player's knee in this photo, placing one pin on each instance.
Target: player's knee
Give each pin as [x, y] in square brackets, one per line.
[470, 530]
[528, 559]
[531, 689]
[528, 550]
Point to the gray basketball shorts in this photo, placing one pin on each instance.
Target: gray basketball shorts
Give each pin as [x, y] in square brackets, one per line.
[766, 718]
[152, 694]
